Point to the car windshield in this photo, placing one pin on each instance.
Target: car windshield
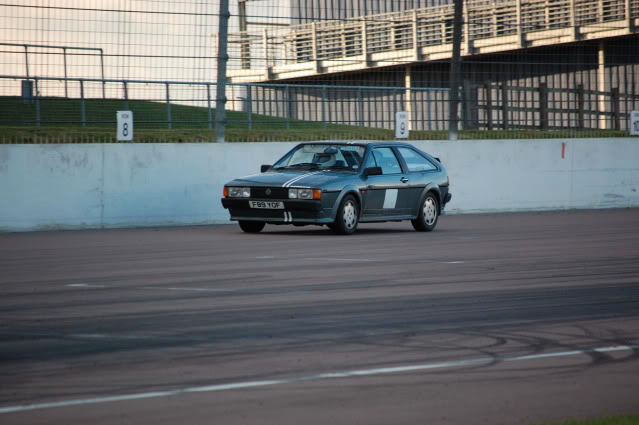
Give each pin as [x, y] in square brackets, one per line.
[323, 156]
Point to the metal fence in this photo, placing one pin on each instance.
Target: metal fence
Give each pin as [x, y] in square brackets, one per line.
[330, 108]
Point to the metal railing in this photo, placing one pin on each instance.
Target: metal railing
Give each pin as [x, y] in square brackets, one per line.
[27, 46]
[179, 104]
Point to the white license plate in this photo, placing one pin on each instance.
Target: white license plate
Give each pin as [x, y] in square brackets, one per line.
[269, 205]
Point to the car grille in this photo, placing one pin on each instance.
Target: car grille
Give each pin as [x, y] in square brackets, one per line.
[276, 192]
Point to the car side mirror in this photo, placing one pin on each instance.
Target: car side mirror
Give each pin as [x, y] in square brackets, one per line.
[373, 171]
[264, 168]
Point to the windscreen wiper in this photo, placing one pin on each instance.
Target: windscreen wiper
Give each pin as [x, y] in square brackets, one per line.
[305, 164]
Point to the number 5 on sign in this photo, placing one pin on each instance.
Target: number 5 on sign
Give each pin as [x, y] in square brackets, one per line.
[125, 126]
[634, 123]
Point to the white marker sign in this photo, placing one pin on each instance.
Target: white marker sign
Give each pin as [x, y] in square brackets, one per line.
[401, 125]
[634, 123]
[125, 126]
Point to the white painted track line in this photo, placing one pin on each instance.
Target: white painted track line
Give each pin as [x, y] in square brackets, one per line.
[169, 288]
[155, 288]
[350, 260]
[322, 376]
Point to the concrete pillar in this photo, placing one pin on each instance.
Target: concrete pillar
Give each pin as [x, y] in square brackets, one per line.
[520, 31]
[601, 85]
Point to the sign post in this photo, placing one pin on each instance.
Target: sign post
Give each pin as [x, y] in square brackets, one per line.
[634, 123]
[125, 126]
[401, 125]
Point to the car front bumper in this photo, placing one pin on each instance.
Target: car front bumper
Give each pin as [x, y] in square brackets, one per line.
[295, 211]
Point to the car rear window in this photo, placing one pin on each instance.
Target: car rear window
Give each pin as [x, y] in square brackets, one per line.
[415, 161]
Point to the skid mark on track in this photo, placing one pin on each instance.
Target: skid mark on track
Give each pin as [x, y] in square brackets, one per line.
[319, 377]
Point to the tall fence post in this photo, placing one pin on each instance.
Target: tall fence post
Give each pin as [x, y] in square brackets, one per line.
[360, 100]
[428, 112]
[222, 59]
[581, 121]
[323, 106]
[66, 82]
[126, 95]
[83, 114]
[208, 106]
[102, 71]
[26, 60]
[488, 95]
[37, 102]
[287, 106]
[168, 107]
[455, 71]
[543, 106]
[614, 108]
[504, 105]
[249, 101]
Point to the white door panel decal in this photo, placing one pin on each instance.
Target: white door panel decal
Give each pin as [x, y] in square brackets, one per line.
[390, 198]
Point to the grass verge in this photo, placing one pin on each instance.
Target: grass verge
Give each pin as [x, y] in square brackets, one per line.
[61, 122]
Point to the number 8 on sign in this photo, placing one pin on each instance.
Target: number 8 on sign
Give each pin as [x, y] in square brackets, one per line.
[125, 126]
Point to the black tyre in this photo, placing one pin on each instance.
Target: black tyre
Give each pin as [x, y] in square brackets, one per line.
[252, 226]
[427, 215]
[347, 216]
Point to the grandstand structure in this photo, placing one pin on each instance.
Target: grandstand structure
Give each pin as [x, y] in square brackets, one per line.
[424, 34]
[579, 56]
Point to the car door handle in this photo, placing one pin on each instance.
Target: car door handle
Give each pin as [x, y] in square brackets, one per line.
[404, 180]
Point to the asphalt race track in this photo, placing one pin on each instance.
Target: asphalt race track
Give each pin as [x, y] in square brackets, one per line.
[491, 319]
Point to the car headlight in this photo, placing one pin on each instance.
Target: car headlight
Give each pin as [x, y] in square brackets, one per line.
[305, 194]
[239, 192]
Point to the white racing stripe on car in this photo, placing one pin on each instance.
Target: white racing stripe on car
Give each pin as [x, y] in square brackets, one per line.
[490, 360]
[295, 179]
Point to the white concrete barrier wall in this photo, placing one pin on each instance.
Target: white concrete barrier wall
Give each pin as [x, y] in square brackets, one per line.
[120, 185]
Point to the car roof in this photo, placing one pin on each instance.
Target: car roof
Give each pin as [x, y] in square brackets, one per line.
[359, 142]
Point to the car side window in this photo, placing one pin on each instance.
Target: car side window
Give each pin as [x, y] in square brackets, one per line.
[386, 159]
[415, 161]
